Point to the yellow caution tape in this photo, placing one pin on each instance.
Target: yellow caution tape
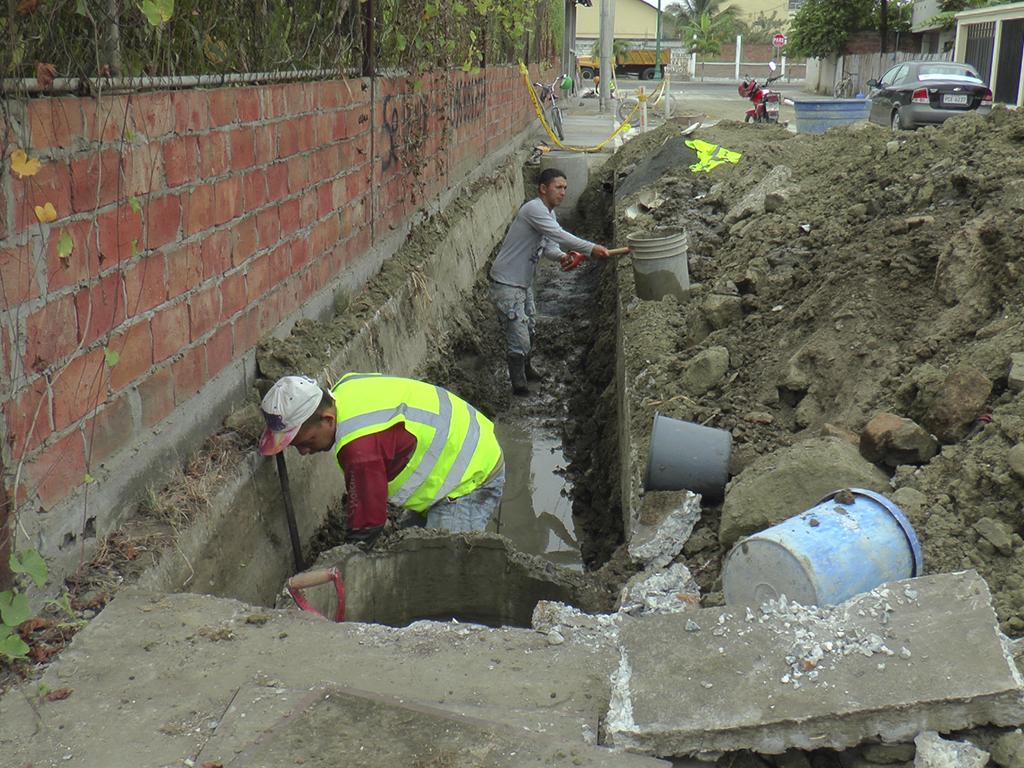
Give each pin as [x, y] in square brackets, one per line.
[625, 126]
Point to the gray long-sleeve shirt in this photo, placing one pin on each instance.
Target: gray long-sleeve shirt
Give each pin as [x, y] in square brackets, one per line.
[535, 232]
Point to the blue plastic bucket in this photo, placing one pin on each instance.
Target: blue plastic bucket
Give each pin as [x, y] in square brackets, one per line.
[825, 555]
[818, 115]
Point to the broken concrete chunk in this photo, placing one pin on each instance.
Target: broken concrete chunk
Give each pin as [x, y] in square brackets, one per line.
[662, 591]
[1015, 458]
[950, 409]
[792, 480]
[737, 685]
[721, 311]
[888, 754]
[753, 203]
[1015, 378]
[705, 371]
[894, 440]
[663, 526]
[1008, 751]
[933, 751]
[997, 534]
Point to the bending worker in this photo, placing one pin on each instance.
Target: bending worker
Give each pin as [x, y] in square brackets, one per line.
[534, 232]
[396, 439]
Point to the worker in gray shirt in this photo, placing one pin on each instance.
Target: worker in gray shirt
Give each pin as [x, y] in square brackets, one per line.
[535, 232]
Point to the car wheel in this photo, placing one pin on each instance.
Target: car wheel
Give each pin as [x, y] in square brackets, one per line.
[896, 122]
[647, 74]
[587, 74]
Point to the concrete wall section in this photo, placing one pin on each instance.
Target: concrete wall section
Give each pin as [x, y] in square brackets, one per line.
[173, 230]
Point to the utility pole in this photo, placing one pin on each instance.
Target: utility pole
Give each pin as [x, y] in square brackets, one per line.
[607, 32]
[657, 47]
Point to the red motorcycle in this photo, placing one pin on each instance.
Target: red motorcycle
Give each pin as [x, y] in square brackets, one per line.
[767, 103]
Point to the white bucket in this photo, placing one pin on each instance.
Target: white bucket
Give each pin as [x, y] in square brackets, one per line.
[660, 266]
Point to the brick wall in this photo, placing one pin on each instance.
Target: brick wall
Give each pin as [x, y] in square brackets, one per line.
[198, 220]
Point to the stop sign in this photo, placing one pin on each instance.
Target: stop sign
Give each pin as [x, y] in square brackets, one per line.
[778, 40]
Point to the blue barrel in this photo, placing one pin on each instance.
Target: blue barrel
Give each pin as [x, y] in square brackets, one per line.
[851, 542]
[818, 115]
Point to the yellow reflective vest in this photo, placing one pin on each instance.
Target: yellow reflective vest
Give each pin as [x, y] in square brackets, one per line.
[456, 450]
[711, 155]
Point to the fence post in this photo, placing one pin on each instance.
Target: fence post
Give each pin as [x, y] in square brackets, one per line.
[112, 38]
[739, 47]
[369, 43]
[693, 65]
[783, 65]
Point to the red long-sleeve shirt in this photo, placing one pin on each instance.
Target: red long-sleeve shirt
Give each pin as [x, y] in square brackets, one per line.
[369, 462]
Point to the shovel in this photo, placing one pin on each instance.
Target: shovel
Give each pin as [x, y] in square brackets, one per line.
[577, 258]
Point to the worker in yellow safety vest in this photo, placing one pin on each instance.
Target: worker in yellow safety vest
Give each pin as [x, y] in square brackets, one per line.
[400, 440]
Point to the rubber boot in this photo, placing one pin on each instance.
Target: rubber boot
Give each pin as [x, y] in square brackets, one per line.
[517, 374]
[533, 374]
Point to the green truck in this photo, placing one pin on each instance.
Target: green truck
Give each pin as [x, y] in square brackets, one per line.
[639, 62]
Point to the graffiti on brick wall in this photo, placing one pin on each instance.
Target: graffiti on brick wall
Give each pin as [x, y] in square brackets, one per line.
[469, 101]
[406, 122]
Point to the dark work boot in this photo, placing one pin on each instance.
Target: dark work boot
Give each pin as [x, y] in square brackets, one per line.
[533, 374]
[517, 374]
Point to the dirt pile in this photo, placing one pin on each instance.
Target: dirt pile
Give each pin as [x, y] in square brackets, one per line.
[849, 274]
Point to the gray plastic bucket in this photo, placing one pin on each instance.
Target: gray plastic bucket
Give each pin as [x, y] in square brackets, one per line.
[688, 456]
[851, 542]
[660, 265]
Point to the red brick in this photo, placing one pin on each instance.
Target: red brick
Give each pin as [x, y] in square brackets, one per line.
[274, 102]
[119, 229]
[356, 184]
[219, 351]
[104, 118]
[268, 224]
[55, 122]
[277, 182]
[247, 331]
[232, 294]
[58, 469]
[265, 146]
[135, 355]
[95, 180]
[298, 173]
[245, 240]
[248, 103]
[307, 209]
[109, 431]
[142, 170]
[290, 217]
[184, 269]
[203, 312]
[191, 111]
[170, 331]
[324, 200]
[82, 262]
[213, 154]
[50, 185]
[288, 139]
[100, 307]
[222, 107]
[272, 309]
[299, 254]
[199, 213]
[254, 190]
[337, 126]
[17, 276]
[243, 149]
[189, 374]
[297, 98]
[181, 160]
[51, 333]
[227, 197]
[144, 284]
[157, 395]
[280, 263]
[163, 221]
[259, 277]
[79, 389]
[27, 416]
[152, 114]
[215, 253]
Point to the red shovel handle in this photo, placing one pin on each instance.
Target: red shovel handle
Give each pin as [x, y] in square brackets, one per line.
[300, 581]
[576, 258]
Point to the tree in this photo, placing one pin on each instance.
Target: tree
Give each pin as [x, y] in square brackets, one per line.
[619, 49]
[706, 35]
[822, 27]
[680, 15]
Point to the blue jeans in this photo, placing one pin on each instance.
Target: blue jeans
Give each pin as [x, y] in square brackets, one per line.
[517, 314]
[470, 512]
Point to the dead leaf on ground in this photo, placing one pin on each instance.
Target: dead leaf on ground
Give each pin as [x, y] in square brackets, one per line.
[27, 7]
[45, 74]
[58, 694]
[31, 625]
[217, 764]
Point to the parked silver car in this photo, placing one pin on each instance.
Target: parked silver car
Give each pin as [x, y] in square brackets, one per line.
[915, 93]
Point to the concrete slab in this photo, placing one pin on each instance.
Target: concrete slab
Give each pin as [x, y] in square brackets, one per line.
[339, 726]
[154, 679]
[915, 655]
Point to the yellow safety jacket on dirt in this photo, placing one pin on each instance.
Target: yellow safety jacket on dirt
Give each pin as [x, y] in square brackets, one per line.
[711, 155]
[456, 450]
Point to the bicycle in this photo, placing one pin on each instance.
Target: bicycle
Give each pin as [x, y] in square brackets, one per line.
[550, 92]
[628, 104]
[844, 89]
